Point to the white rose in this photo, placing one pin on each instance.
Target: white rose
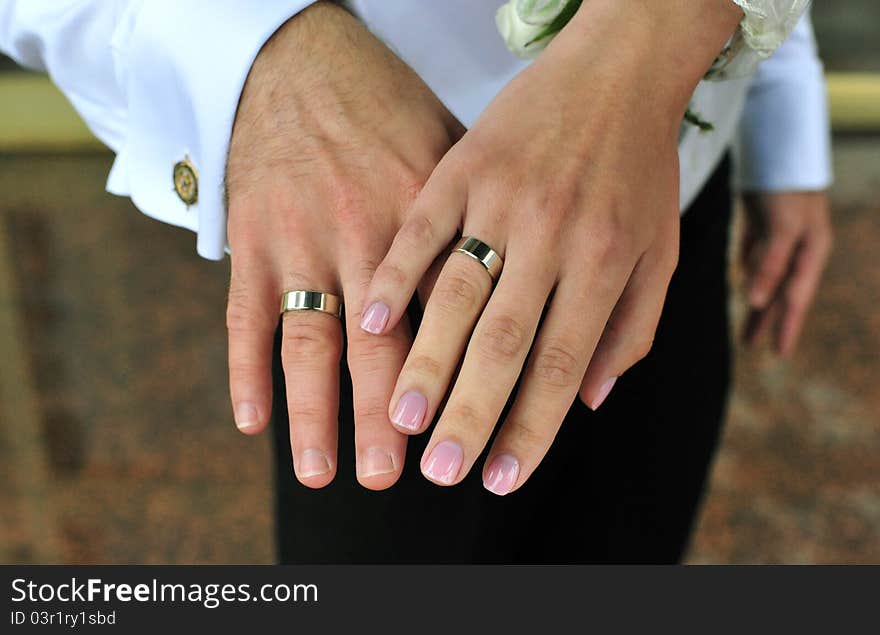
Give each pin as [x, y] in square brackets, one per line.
[521, 21]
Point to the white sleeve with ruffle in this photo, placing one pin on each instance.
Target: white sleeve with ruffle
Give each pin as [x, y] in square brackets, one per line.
[765, 26]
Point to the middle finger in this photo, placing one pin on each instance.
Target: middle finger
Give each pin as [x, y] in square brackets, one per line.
[452, 310]
[492, 364]
[374, 363]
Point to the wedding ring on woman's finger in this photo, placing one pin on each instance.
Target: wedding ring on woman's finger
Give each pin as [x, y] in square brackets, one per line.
[300, 300]
[483, 253]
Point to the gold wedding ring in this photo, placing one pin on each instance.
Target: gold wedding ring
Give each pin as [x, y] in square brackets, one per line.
[480, 251]
[311, 301]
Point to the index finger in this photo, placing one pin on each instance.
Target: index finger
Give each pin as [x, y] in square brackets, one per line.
[431, 226]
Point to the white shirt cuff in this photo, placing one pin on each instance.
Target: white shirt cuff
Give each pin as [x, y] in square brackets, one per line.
[183, 67]
[784, 140]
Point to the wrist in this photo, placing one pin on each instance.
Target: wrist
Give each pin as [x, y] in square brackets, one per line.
[664, 47]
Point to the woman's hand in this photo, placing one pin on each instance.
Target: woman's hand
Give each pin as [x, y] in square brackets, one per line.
[571, 175]
[785, 248]
[333, 139]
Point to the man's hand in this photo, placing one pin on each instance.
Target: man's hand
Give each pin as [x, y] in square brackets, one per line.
[785, 248]
[333, 139]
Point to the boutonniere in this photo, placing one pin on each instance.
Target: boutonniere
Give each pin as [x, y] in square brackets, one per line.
[528, 26]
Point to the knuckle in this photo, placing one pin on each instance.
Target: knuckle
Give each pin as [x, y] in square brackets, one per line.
[557, 367]
[502, 339]
[413, 185]
[468, 417]
[370, 409]
[425, 365]
[347, 208]
[607, 242]
[364, 270]
[558, 201]
[308, 339]
[392, 274]
[345, 198]
[418, 232]
[372, 353]
[305, 413]
[239, 314]
[244, 369]
[456, 293]
[527, 433]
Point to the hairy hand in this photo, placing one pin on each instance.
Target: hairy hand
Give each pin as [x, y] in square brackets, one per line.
[333, 139]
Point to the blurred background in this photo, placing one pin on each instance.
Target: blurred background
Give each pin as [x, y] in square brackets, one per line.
[116, 438]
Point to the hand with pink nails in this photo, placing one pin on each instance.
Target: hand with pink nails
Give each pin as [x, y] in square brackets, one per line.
[571, 176]
[315, 200]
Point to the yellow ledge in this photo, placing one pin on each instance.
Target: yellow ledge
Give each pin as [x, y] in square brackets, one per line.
[855, 101]
[35, 116]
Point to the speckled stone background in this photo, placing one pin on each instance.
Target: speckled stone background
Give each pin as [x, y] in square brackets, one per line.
[135, 457]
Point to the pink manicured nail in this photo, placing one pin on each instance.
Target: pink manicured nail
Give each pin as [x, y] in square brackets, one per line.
[502, 473]
[444, 462]
[603, 393]
[410, 411]
[375, 318]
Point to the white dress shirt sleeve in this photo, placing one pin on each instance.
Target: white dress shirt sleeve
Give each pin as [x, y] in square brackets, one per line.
[784, 140]
[158, 81]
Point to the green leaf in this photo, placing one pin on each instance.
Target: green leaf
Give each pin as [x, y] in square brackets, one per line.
[696, 120]
[559, 23]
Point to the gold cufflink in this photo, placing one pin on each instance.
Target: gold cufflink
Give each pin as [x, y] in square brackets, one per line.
[186, 181]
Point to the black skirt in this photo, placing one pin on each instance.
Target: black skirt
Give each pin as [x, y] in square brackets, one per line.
[621, 485]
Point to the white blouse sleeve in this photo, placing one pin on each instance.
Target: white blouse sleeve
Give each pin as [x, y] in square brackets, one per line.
[764, 27]
[158, 81]
[784, 140]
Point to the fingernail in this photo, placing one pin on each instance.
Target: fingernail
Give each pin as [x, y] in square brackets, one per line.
[444, 462]
[603, 393]
[502, 473]
[313, 463]
[375, 318]
[246, 416]
[410, 411]
[758, 298]
[375, 461]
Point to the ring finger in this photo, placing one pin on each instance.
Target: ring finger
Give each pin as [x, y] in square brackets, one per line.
[452, 310]
[492, 364]
[311, 348]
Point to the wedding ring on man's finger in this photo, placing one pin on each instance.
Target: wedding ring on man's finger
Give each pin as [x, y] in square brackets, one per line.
[299, 300]
[483, 253]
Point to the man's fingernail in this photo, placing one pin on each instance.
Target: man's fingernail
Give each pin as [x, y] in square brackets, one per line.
[410, 411]
[757, 298]
[603, 393]
[313, 463]
[444, 462]
[375, 461]
[501, 475]
[375, 318]
[246, 416]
